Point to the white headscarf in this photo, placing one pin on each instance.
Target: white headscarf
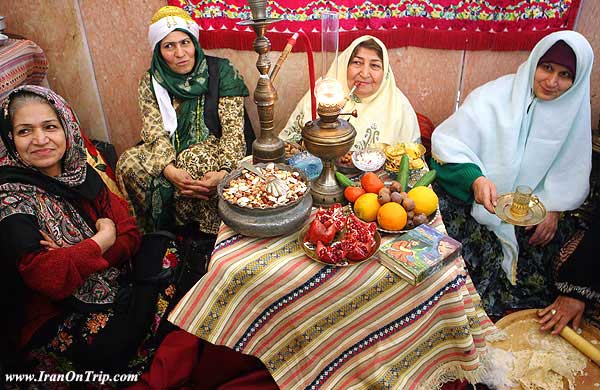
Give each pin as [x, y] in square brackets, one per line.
[515, 138]
[386, 116]
[165, 21]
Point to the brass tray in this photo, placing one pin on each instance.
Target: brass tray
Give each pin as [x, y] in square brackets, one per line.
[535, 214]
[518, 324]
[309, 248]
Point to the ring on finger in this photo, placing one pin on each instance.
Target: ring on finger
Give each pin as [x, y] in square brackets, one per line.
[553, 311]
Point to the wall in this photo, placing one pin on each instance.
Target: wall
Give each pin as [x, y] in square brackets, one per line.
[98, 50]
[56, 26]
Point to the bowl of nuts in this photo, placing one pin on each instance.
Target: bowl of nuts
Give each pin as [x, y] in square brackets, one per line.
[344, 164]
[251, 204]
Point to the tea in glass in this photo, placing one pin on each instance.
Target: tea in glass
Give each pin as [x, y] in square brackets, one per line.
[520, 203]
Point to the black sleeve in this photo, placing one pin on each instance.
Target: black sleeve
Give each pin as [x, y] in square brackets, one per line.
[579, 276]
[20, 236]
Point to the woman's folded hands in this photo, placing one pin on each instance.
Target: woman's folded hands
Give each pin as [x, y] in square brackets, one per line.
[185, 184]
[211, 180]
[106, 233]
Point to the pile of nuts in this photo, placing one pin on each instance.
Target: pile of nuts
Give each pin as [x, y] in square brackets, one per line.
[249, 190]
[346, 159]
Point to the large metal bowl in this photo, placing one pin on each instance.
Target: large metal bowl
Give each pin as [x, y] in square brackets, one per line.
[267, 222]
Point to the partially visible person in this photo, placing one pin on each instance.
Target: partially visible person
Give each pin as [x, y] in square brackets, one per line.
[577, 283]
[193, 133]
[70, 245]
[530, 128]
[384, 113]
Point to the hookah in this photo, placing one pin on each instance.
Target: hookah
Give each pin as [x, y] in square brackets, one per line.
[268, 147]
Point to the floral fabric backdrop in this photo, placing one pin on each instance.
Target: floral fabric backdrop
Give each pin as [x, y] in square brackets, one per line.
[439, 24]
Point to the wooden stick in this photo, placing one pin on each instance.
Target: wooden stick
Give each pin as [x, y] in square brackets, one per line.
[584, 346]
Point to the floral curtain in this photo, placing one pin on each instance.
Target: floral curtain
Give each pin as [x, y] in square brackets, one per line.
[439, 24]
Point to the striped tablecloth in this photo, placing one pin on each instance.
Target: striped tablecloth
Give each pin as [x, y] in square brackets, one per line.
[21, 62]
[322, 327]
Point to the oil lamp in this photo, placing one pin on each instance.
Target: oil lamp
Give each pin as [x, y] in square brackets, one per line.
[328, 137]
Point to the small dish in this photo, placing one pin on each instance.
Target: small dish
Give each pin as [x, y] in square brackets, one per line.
[368, 160]
[3, 39]
[413, 150]
[535, 214]
[310, 249]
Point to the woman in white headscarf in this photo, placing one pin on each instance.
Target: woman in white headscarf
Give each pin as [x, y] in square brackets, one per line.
[530, 128]
[384, 113]
[194, 130]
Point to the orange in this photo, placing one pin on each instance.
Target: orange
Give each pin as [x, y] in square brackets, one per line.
[391, 216]
[370, 182]
[352, 193]
[366, 207]
[426, 201]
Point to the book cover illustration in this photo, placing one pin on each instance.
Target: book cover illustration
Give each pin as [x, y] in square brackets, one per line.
[419, 253]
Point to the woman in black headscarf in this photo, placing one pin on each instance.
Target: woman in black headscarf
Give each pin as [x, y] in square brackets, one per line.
[69, 244]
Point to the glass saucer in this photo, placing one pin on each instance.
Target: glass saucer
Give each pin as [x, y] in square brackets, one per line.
[535, 214]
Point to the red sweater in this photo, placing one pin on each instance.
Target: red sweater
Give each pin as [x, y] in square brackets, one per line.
[53, 275]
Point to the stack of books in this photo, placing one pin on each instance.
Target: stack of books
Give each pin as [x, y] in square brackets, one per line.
[418, 253]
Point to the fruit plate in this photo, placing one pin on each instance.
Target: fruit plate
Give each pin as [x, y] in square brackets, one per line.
[430, 219]
[310, 249]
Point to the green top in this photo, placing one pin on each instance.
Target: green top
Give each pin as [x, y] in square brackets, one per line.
[457, 179]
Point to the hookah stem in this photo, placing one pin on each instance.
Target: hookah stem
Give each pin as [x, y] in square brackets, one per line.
[351, 91]
[311, 74]
[284, 54]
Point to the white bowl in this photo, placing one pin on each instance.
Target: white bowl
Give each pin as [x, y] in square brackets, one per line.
[368, 160]
[3, 39]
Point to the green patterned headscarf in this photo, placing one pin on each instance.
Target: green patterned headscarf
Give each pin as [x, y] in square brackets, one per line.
[190, 90]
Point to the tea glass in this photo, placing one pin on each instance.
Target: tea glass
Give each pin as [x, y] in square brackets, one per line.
[520, 204]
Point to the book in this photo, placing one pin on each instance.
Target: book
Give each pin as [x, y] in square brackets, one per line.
[418, 253]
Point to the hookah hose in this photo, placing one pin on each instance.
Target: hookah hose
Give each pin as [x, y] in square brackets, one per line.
[311, 73]
[284, 54]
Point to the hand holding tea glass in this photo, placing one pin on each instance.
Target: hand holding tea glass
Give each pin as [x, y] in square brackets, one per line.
[484, 191]
[546, 229]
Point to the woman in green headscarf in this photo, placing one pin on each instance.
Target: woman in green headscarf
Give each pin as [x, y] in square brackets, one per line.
[194, 130]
